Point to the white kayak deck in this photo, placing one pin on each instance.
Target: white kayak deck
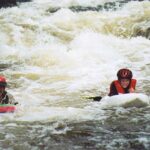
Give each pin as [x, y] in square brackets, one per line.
[125, 100]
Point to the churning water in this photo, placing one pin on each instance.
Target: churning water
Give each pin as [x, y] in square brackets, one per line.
[54, 54]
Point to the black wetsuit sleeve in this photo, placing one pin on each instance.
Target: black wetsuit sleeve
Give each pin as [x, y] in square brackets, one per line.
[113, 90]
[8, 99]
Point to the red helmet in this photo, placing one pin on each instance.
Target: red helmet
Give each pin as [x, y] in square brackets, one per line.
[124, 74]
[3, 82]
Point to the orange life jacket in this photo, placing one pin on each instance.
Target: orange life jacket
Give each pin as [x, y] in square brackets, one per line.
[120, 89]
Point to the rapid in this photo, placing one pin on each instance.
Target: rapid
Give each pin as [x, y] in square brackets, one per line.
[54, 55]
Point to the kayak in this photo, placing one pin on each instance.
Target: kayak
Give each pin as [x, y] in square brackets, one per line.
[7, 108]
[125, 100]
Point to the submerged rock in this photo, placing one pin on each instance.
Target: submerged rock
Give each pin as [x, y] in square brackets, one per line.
[145, 32]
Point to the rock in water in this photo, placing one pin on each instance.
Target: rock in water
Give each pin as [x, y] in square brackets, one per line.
[7, 3]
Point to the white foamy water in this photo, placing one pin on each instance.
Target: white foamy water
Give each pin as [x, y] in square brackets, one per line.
[66, 3]
[57, 59]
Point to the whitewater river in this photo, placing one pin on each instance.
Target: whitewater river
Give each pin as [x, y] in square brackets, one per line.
[54, 54]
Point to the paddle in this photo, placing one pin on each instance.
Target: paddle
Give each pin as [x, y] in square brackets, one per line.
[16, 103]
[96, 98]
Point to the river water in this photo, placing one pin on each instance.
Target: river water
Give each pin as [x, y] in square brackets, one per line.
[54, 54]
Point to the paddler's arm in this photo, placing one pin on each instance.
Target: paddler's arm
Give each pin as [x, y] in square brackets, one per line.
[131, 90]
[113, 90]
[11, 99]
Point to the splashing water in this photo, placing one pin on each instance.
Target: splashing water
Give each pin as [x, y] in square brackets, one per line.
[53, 60]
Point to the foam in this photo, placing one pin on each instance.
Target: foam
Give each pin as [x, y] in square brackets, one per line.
[64, 3]
[54, 58]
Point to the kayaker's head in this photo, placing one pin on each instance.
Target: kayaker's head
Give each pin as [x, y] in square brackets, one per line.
[3, 84]
[124, 76]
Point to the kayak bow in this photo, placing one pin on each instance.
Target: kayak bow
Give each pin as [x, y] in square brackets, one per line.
[7, 108]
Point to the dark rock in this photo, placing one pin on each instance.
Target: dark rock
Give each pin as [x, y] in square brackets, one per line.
[7, 3]
[143, 32]
[23, 0]
[10, 3]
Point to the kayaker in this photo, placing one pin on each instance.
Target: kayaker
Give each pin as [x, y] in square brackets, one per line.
[124, 84]
[5, 97]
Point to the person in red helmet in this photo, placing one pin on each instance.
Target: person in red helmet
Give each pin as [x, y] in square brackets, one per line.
[5, 97]
[124, 84]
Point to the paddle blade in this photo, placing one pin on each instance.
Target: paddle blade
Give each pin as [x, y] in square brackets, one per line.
[96, 98]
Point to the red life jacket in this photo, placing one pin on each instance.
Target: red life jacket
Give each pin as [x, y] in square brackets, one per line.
[120, 89]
